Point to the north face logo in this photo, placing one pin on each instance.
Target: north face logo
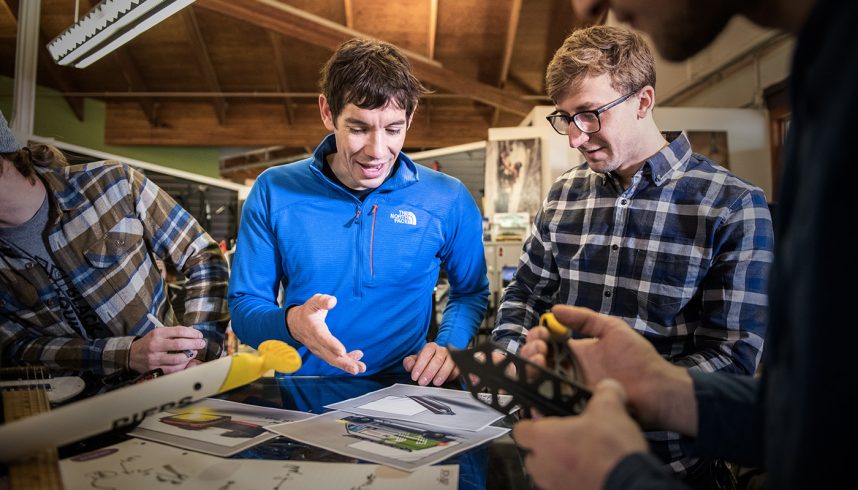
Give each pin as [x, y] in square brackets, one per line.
[404, 218]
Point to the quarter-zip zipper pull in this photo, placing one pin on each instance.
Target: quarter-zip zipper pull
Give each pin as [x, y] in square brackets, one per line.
[357, 214]
[372, 238]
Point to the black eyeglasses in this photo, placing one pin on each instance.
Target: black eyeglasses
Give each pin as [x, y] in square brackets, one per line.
[586, 121]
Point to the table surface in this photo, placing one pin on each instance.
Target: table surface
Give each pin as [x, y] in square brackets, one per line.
[496, 465]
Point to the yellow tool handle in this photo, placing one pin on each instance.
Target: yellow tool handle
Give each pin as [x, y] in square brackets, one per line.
[549, 321]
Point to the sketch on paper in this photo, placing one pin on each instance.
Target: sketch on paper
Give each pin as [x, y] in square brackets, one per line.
[138, 464]
[436, 407]
[214, 426]
[513, 176]
[404, 445]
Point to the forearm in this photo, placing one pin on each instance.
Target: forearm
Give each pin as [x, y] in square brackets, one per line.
[205, 301]
[103, 356]
[255, 320]
[640, 472]
[734, 292]
[675, 409]
[519, 310]
[173, 235]
[462, 317]
[531, 293]
[730, 418]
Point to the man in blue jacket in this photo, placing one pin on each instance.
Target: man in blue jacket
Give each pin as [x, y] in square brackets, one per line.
[355, 235]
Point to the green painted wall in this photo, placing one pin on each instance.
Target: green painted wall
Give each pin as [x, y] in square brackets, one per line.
[54, 119]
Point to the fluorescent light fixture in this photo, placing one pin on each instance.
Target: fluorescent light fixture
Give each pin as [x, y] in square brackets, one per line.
[109, 25]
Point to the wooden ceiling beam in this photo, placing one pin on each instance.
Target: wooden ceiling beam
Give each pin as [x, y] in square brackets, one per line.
[509, 45]
[349, 14]
[136, 83]
[204, 61]
[132, 76]
[296, 23]
[60, 80]
[282, 75]
[260, 124]
[433, 29]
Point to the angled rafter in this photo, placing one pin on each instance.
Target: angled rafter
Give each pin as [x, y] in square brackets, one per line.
[136, 84]
[433, 29]
[282, 74]
[201, 53]
[133, 77]
[350, 20]
[61, 80]
[261, 124]
[296, 23]
[511, 29]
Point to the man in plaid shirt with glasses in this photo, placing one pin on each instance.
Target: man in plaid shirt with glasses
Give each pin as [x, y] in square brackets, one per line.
[646, 230]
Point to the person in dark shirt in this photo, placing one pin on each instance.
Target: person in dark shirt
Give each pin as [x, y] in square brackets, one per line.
[790, 420]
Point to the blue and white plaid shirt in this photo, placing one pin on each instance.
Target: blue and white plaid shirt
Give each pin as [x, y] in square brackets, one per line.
[683, 255]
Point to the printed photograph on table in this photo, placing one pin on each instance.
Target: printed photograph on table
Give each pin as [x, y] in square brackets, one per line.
[437, 407]
[214, 426]
[396, 443]
[513, 176]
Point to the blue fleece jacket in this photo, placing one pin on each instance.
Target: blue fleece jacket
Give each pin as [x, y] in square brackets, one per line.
[379, 257]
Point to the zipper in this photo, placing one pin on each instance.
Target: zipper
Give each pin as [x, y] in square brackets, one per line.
[358, 254]
[372, 238]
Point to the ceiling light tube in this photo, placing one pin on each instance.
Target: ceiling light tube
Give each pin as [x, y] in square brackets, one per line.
[109, 25]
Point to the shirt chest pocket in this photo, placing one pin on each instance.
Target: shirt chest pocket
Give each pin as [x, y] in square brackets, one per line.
[118, 246]
[666, 280]
[404, 244]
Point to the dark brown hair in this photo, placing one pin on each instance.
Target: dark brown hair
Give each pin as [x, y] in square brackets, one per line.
[594, 51]
[27, 158]
[369, 74]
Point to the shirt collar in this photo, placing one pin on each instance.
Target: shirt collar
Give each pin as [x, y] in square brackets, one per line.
[406, 174]
[671, 157]
[60, 190]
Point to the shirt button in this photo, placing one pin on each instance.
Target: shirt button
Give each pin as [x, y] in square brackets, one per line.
[624, 202]
[119, 243]
[615, 247]
[28, 265]
[607, 294]
[51, 303]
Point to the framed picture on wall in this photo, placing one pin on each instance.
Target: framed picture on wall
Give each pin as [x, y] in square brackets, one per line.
[712, 145]
[513, 176]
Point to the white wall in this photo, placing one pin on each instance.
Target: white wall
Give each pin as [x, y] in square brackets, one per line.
[747, 136]
[732, 72]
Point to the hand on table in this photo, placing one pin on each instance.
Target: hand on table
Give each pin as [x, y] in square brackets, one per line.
[165, 348]
[432, 364]
[306, 324]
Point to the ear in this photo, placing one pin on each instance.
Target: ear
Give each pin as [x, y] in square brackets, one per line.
[327, 115]
[646, 102]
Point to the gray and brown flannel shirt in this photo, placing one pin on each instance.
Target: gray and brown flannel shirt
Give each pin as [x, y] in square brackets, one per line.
[107, 224]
